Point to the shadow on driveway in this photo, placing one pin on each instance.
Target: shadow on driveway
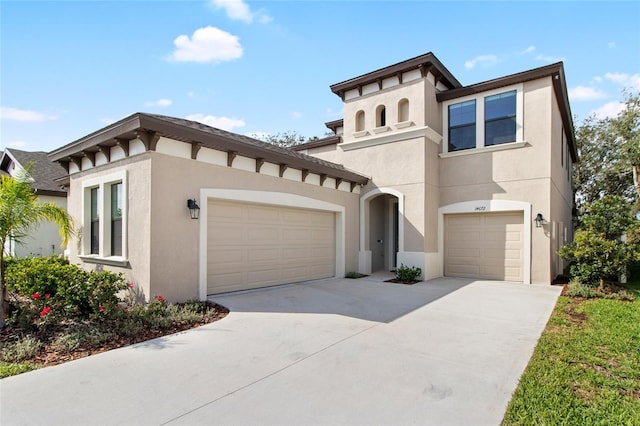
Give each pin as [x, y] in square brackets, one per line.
[368, 298]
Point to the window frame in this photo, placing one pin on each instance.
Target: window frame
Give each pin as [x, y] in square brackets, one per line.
[480, 117]
[471, 125]
[103, 185]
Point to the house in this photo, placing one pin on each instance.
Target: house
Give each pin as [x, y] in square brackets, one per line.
[467, 181]
[47, 181]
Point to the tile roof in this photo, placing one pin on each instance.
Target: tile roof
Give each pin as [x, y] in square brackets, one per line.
[197, 133]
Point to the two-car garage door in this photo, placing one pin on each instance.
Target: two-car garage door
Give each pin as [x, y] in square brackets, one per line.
[258, 245]
[484, 245]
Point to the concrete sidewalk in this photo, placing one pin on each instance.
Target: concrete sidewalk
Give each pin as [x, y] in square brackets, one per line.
[447, 351]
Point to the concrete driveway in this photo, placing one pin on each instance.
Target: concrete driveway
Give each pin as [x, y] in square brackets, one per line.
[443, 352]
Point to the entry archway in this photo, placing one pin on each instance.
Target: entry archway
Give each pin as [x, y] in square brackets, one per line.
[381, 229]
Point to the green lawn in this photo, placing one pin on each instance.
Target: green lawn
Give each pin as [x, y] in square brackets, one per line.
[586, 367]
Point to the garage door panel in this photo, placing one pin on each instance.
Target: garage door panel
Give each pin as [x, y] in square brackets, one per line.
[484, 245]
[296, 235]
[252, 245]
[465, 270]
[221, 257]
[261, 214]
[262, 255]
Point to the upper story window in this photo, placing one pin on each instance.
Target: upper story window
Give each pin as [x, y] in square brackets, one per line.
[483, 120]
[359, 121]
[381, 116]
[462, 125]
[403, 110]
[500, 118]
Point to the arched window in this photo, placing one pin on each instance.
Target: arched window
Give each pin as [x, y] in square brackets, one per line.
[381, 116]
[359, 121]
[403, 110]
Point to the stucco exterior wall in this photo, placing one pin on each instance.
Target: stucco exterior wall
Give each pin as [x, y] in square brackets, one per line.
[413, 91]
[175, 237]
[139, 213]
[520, 174]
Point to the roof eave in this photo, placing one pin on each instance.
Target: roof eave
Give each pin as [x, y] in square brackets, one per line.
[427, 62]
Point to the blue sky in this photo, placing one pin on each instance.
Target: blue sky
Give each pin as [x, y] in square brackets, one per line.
[262, 67]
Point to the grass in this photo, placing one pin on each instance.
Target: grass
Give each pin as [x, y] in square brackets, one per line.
[586, 367]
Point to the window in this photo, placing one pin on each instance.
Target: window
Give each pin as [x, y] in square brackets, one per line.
[381, 116]
[116, 219]
[462, 125]
[403, 110]
[485, 120]
[500, 118]
[95, 221]
[359, 121]
[105, 218]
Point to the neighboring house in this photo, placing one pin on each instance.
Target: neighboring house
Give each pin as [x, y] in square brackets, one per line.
[47, 180]
[422, 171]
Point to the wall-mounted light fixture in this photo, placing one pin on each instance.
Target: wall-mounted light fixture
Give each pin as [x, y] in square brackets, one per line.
[539, 220]
[194, 208]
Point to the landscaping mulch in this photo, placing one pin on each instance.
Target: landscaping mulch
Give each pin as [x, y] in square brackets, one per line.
[395, 281]
[49, 355]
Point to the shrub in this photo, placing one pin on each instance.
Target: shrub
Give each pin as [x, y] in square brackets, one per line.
[408, 274]
[82, 336]
[40, 275]
[600, 253]
[25, 348]
[61, 290]
[354, 275]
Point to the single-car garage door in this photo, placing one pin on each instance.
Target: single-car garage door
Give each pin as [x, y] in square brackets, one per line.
[484, 245]
[257, 245]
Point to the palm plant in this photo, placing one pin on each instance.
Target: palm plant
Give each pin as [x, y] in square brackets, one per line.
[20, 212]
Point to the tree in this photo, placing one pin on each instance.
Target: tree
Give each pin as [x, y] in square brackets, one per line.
[285, 139]
[609, 151]
[20, 212]
[606, 242]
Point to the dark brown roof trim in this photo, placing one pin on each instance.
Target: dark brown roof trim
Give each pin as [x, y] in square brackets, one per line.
[331, 140]
[426, 62]
[333, 125]
[151, 126]
[555, 71]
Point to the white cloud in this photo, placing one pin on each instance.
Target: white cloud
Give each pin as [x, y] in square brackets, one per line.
[296, 114]
[238, 10]
[16, 144]
[206, 45]
[584, 93]
[611, 44]
[24, 115]
[546, 58]
[159, 103]
[107, 120]
[191, 93]
[625, 80]
[485, 60]
[529, 49]
[610, 109]
[224, 123]
[597, 79]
